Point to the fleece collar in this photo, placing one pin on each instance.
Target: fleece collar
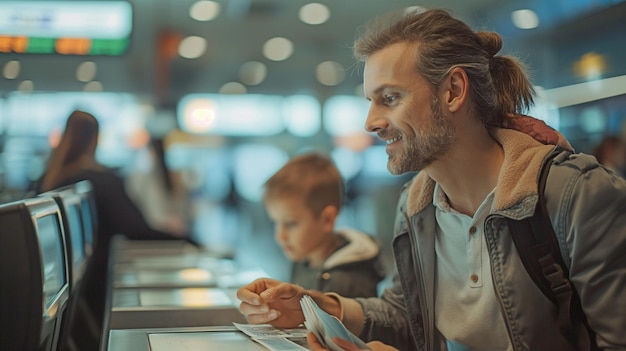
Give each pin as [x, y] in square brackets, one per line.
[526, 142]
[360, 247]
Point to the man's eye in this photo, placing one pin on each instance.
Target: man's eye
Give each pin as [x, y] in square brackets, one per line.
[388, 99]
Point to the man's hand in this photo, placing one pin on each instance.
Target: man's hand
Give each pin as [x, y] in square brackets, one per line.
[315, 345]
[271, 301]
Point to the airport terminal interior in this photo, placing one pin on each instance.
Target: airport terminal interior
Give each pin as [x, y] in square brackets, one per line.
[200, 101]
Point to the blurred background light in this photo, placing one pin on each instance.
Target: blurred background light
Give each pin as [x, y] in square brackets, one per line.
[314, 13]
[330, 73]
[590, 66]
[302, 115]
[233, 115]
[253, 164]
[204, 10]
[344, 115]
[86, 71]
[93, 86]
[278, 49]
[252, 73]
[26, 86]
[11, 69]
[525, 19]
[192, 47]
[233, 88]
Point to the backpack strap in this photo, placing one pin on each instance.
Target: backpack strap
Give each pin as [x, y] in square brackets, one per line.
[540, 252]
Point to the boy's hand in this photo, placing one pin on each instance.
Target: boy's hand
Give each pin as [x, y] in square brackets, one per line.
[271, 301]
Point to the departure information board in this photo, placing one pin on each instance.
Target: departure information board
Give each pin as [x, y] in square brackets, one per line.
[65, 27]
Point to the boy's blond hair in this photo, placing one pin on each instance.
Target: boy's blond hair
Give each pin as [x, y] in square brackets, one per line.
[313, 177]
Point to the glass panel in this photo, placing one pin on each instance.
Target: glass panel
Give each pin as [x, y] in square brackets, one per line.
[76, 233]
[51, 246]
[87, 220]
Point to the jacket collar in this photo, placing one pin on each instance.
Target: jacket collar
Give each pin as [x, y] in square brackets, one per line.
[526, 142]
[360, 247]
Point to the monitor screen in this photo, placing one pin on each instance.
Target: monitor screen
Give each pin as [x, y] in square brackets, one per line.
[76, 233]
[87, 220]
[65, 27]
[51, 246]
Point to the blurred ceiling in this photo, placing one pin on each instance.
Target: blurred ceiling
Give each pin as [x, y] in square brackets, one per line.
[568, 29]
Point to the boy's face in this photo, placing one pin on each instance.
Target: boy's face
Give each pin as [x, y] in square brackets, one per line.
[298, 231]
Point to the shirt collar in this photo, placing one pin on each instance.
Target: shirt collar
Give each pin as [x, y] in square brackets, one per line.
[440, 199]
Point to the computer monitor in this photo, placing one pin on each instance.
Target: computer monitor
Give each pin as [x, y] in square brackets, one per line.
[34, 284]
[89, 213]
[70, 204]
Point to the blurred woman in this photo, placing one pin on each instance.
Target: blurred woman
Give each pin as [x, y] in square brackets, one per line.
[156, 191]
[74, 160]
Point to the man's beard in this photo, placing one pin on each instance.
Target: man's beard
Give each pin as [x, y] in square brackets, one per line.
[421, 150]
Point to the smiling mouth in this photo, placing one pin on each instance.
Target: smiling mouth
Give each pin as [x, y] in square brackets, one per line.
[391, 141]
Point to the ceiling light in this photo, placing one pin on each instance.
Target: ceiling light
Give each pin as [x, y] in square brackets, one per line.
[330, 73]
[192, 47]
[204, 10]
[86, 71]
[11, 69]
[93, 86]
[314, 13]
[233, 88]
[278, 49]
[199, 116]
[26, 86]
[525, 19]
[590, 66]
[252, 73]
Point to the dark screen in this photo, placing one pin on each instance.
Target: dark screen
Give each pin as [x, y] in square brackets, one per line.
[76, 232]
[87, 220]
[51, 244]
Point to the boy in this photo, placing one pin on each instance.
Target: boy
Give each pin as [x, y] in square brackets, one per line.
[303, 199]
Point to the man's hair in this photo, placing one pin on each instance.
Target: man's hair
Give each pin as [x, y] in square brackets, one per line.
[313, 177]
[498, 84]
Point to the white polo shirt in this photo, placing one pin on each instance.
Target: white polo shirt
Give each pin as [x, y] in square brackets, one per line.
[467, 311]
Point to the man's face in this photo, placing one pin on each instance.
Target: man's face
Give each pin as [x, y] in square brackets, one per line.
[298, 231]
[404, 111]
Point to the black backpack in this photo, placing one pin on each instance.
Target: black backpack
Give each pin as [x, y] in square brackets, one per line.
[541, 256]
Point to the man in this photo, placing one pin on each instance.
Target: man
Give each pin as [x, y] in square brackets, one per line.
[448, 107]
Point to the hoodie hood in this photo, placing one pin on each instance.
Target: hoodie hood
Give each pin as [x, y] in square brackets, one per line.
[526, 142]
[360, 247]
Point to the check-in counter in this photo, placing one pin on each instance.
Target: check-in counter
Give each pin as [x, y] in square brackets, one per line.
[224, 338]
[171, 289]
[179, 307]
[124, 250]
[131, 277]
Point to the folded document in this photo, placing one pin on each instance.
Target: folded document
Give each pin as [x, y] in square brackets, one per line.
[326, 327]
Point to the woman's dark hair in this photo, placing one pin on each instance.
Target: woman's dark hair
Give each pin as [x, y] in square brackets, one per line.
[81, 129]
[76, 149]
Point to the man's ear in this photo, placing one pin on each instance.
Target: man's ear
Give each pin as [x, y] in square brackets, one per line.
[456, 89]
